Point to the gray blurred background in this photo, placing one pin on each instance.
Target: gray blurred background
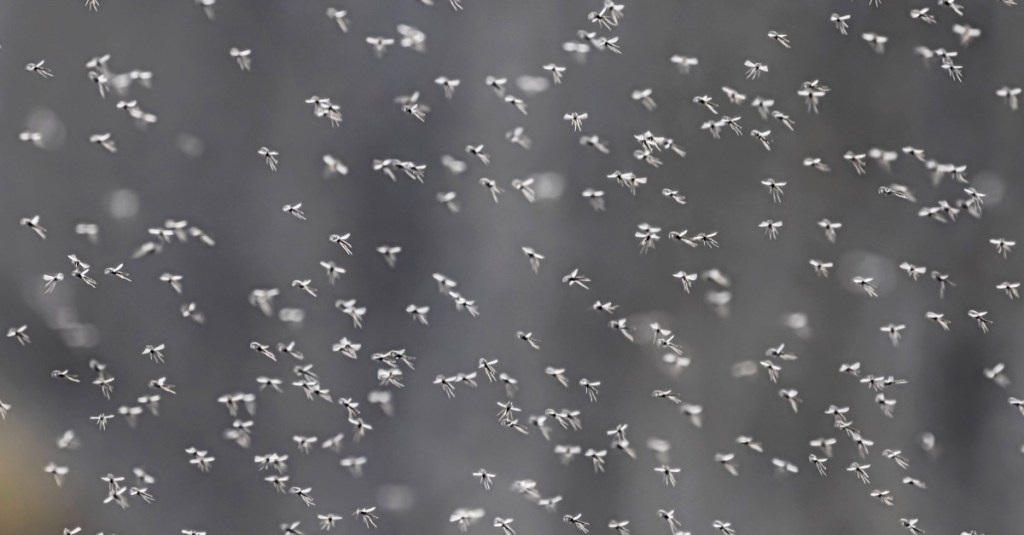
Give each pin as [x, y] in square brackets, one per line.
[199, 163]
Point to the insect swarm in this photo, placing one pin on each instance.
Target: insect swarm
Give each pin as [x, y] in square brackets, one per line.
[592, 258]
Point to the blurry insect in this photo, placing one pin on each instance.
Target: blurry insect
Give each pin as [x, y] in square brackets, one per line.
[505, 524]
[979, 316]
[684, 63]
[20, 334]
[525, 186]
[861, 471]
[911, 526]
[705, 101]
[944, 282]
[875, 41]
[242, 57]
[1011, 95]
[576, 119]
[866, 284]
[771, 228]
[39, 68]
[894, 331]
[792, 396]
[486, 478]
[33, 223]
[534, 257]
[295, 210]
[840, 22]
[781, 38]
[577, 521]
[819, 463]
[529, 339]
[821, 268]
[379, 45]
[754, 69]
[762, 136]
[727, 462]
[557, 71]
[1002, 245]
